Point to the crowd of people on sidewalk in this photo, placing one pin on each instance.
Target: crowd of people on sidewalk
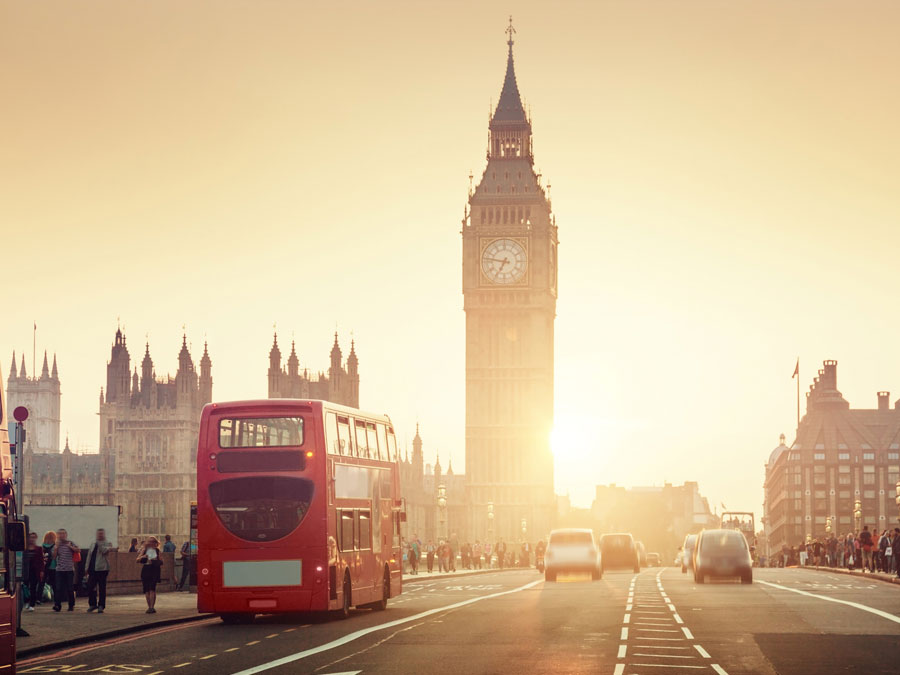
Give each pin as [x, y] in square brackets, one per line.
[865, 550]
[56, 568]
[447, 553]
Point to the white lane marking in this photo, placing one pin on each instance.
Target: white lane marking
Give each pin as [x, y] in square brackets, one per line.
[719, 669]
[687, 633]
[656, 646]
[876, 612]
[620, 668]
[644, 637]
[703, 652]
[677, 618]
[667, 665]
[350, 637]
[666, 656]
[622, 650]
[628, 607]
[624, 633]
[627, 618]
[656, 630]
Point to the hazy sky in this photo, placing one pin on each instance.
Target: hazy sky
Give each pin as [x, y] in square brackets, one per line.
[724, 176]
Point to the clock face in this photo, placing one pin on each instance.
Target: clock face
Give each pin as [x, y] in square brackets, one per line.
[504, 261]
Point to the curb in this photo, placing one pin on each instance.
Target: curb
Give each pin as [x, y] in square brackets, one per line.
[74, 642]
[851, 573]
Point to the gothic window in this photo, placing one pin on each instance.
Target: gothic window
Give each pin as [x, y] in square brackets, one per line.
[499, 189]
[482, 215]
[490, 217]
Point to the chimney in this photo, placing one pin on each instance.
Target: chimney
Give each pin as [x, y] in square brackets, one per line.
[884, 400]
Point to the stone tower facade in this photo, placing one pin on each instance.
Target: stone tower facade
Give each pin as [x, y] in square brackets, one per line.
[42, 396]
[509, 241]
[149, 430]
[340, 385]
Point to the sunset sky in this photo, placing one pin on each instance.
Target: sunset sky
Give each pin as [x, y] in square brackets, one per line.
[724, 175]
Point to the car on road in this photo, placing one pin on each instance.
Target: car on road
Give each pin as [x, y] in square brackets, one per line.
[722, 553]
[654, 560]
[687, 553]
[571, 550]
[618, 551]
[642, 553]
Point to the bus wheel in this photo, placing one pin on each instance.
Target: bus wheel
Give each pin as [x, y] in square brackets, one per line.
[381, 605]
[236, 619]
[344, 611]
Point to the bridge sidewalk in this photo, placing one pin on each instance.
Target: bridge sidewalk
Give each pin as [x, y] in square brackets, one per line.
[127, 614]
[878, 576]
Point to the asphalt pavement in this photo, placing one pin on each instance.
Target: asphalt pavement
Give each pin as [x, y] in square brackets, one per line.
[659, 621]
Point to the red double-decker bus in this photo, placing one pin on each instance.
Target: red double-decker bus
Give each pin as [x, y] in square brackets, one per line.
[298, 509]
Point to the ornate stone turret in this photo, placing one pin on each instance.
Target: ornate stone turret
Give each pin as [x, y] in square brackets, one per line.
[118, 370]
[205, 377]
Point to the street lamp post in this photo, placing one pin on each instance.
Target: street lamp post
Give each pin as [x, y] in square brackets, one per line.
[857, 514]
[490, 541]
[442, 510]
[828, 526]
[524, 530]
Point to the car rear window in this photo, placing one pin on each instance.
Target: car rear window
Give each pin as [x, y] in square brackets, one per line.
[732, 542]
[570, 538]
[618, 541]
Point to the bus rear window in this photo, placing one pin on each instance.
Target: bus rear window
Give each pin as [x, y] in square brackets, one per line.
[261, 508]
[260, 432]
[260, 461]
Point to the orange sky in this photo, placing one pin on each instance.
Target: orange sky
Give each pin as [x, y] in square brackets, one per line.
[723, 173]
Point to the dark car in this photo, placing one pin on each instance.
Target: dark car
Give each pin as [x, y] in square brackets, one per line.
[722, 553]
[617, 551]
[687, 553]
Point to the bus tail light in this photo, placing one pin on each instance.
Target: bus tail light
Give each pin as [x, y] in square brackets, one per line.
[309, 453]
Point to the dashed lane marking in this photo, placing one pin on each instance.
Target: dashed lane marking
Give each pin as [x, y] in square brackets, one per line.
[624, 634]
[182, 665]
[687, 633]
[250, 644]
[719, 669]
[703, 652]
[622, 650]
[233, 649]
[208, 656]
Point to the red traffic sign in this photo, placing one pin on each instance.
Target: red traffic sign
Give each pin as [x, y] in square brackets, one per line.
[20, 413]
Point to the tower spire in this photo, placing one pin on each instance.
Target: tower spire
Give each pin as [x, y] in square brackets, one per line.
[509, 107]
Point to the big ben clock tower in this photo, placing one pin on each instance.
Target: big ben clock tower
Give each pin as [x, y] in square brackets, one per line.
[509, 287]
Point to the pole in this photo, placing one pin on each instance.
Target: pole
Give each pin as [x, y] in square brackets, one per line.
[798, 395]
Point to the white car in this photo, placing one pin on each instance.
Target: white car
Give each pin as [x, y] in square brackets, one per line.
[571, 550]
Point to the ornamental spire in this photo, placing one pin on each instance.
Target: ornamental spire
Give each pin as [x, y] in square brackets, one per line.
[509, 107]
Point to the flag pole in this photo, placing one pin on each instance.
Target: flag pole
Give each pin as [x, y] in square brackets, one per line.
[798, 394]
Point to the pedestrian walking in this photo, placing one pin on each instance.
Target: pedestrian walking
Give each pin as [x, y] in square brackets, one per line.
[49, 564]
[65, 554]
[476, 554]
[867, 545]
[429, 555]
[169, 546]
[149, 557]
[414, 555]
[33, 564]
[895, 550]
[185, 557]
[134, 547]
[97, 570]
[501, 553]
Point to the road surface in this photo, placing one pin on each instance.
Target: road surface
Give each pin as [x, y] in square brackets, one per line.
[658, 621]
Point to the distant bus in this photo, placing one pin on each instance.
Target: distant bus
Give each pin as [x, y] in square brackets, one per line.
[298, 509]
[12, 539]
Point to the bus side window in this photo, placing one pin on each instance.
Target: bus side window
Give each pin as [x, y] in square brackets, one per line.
[332, 444]
[365, 530]
[382, 443]
[392, 445]
[344, 437]
[346, 529]
[373, 440]
[396, 529]
[362, 445]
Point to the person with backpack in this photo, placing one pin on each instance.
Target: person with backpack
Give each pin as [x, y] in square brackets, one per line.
[429, 554]
[414, 555]
[866, 545]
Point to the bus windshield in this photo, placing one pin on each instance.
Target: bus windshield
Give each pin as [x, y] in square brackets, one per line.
[262, 508]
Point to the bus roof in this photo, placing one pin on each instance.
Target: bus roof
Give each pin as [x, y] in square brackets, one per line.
[286, 404]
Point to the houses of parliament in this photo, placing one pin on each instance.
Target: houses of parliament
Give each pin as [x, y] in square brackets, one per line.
[149, 424]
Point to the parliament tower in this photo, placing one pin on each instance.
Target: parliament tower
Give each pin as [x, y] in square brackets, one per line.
[509, 287]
